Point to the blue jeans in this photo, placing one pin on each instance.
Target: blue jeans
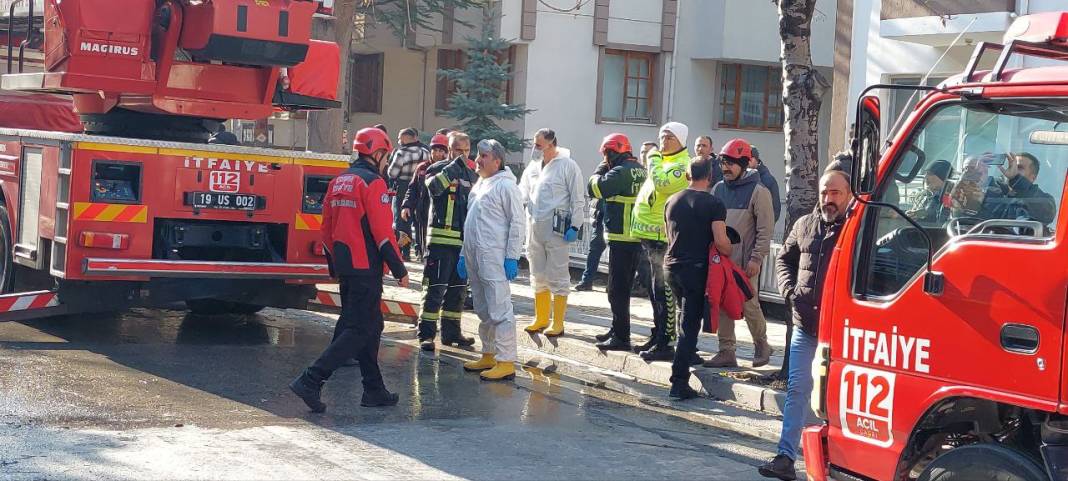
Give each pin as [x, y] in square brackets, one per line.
[798, 392]
[593, 257]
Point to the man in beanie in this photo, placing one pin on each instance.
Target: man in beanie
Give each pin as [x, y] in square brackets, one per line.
[666, 175]
[932, 206]
[751, 213]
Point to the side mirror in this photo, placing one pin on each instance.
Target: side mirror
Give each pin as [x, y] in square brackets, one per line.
[867, 142]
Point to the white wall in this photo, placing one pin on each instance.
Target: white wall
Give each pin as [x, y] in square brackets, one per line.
[634, 22]
[749, 30]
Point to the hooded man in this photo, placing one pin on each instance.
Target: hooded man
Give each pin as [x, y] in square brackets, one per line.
[493, 239]
[751, 213]
[554, 195]
[356, 255]
[415, 209]
[767, 180]
[666, 169]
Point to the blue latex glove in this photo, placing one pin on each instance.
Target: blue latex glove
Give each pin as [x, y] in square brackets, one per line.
[461, 268]
[571, 235]
[511, 268]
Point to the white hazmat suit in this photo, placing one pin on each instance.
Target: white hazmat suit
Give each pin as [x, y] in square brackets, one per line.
[556, 186]
[493, 232]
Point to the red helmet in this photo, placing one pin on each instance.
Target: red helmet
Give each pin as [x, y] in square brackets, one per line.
[618, 143]
[439, 139]
[371, 140]
[737, 149]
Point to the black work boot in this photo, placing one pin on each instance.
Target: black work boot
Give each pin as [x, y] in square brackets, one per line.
[683, 392]
[379, 398]
[662, 352]
[604, 337]
[696, 360]
[614, 344]
[584, 286]
[308, 390]
[647, 346]
[428, 330]
[451, 335]
[782, 467]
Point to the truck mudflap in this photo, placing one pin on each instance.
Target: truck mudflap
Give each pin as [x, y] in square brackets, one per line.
[203, 269]
[396, 311]
[813, 445]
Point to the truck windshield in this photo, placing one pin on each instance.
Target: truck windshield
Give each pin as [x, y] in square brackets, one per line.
[970, 162]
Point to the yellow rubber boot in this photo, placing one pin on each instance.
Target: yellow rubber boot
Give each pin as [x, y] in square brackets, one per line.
[502, 371]
[542, 306]
[559, 311]
[487, 362]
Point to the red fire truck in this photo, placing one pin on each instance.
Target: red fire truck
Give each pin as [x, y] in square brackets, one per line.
[942, 339]
[134, 208]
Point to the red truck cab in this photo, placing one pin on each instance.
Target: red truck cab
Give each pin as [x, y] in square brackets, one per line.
[942, 339]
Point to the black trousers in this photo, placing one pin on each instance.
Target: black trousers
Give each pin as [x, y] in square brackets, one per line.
[688, 285]
[445, 291]
[660, 294]
[623, 260]
[358, 332]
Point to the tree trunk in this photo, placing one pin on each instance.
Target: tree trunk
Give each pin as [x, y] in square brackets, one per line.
[803, 89]
[326, 127]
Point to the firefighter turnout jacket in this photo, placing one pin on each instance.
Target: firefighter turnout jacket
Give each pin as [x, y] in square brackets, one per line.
[619, 187]
[358, 224]
[449, 182]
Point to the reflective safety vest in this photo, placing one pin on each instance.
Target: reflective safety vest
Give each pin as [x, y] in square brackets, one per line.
[619, 188]
[667, 175]
[449, 183]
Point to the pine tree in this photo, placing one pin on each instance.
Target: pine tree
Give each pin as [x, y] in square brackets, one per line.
[478, 103]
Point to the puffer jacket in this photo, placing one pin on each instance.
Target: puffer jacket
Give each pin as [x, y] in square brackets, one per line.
[802, 267]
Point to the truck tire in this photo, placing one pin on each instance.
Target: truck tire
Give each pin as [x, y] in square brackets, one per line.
[983, 461]
[215, 307]
[7, 262]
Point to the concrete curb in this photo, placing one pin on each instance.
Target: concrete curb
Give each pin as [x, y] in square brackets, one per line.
[710, 382]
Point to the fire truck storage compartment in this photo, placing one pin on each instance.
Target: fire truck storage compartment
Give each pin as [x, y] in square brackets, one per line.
[203, 240]
[28, 235]
[116, 182]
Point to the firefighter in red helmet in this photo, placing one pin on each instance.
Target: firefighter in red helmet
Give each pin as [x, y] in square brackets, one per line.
[358, 234]
[617, 181]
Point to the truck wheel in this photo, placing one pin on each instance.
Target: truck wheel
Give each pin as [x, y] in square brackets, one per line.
[7, 264]
[983, 461]
[215, 307]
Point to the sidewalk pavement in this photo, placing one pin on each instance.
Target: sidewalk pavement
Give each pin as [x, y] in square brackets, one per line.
[589, 314]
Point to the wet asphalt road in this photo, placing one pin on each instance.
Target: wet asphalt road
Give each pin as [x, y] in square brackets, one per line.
[154, 394]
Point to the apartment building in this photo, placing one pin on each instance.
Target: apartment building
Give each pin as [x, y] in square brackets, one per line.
[588, 68]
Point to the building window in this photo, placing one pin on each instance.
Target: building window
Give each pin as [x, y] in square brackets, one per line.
[447, 59]
[507, 57]
[750, 97]
[365, 83]
[627, 86]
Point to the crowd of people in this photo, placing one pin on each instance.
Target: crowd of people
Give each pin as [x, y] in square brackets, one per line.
[700, 228]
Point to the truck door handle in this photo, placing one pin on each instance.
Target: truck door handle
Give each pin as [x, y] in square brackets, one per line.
[1019, 338]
